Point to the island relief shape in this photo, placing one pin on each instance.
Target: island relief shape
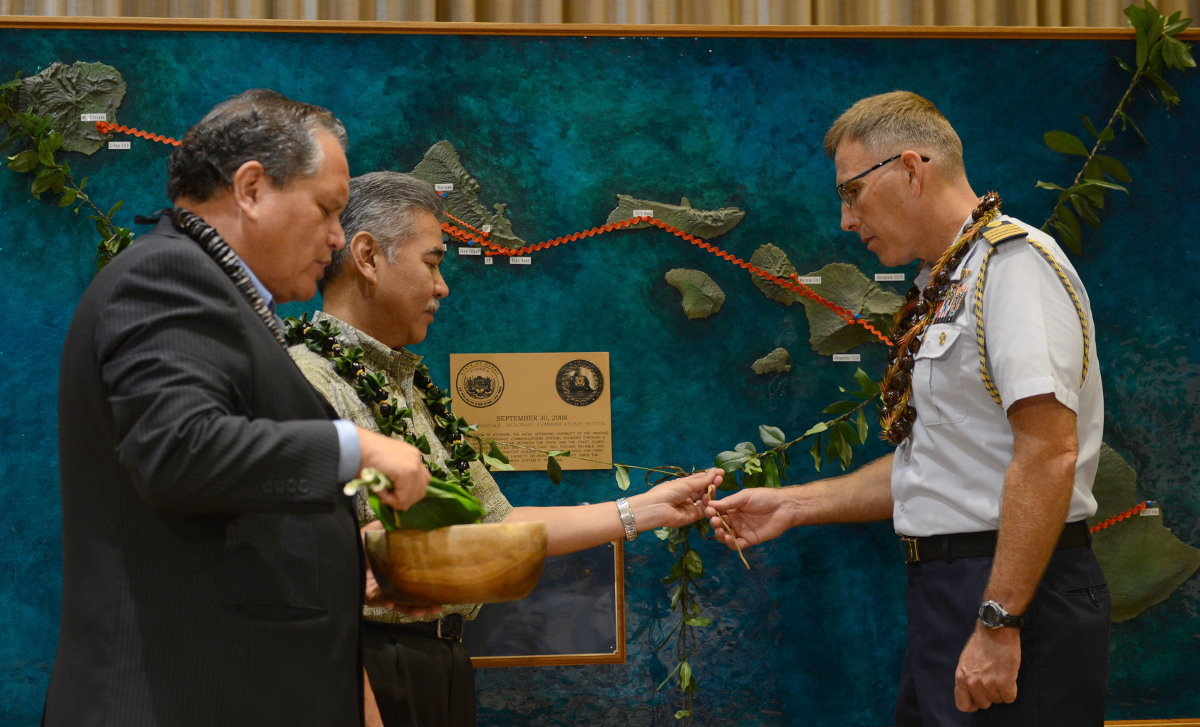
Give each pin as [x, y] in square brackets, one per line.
[1141, 558]
[702, 297]
[64, 93]
[842, 284]
[704, 224]
[777, 361]
[441, 165]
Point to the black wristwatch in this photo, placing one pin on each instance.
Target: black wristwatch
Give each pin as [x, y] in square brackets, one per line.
[993, 615]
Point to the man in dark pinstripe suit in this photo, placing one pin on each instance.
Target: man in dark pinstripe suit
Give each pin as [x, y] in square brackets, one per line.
[212, 568]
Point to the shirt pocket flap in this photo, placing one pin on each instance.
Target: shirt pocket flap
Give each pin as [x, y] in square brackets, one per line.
[939, 339]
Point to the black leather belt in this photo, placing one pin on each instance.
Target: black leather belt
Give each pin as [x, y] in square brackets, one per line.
[448, 627]
[977, 545]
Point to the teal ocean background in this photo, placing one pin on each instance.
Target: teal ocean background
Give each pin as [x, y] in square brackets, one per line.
[556, 127]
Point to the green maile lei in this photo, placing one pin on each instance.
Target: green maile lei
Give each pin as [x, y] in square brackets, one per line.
[449, 499]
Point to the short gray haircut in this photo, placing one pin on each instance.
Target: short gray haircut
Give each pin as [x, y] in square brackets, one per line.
[383, 203]
[890, 123]
[256, 125]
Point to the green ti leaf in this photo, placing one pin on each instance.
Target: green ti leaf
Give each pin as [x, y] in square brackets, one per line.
[1106, 135]
[622, 477]
[772, 437]
[839, 407]
[867, 387]
[731, 461]
[444, 504]
[1114, 168]
[1065, 143]
[1068, 228]
[687, 680]
[771, 472]
[24, 161]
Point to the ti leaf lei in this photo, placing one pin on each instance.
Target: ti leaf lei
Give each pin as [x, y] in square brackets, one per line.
[449, 500]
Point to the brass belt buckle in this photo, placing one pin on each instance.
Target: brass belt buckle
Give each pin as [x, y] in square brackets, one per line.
[909, 547]
[448, 636]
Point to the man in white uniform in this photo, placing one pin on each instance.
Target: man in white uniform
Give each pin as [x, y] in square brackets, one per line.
[993, 398]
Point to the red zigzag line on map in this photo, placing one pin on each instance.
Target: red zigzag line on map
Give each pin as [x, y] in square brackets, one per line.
[792, 284]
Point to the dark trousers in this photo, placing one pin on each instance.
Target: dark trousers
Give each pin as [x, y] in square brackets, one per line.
[1064, 649]
[419, 680]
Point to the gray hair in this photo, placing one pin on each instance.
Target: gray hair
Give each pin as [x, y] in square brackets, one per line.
[256, 125]
[892, 122]
[383, 203]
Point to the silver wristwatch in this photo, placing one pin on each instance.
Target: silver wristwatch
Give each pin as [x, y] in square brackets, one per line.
[627, 522]
[993, 615]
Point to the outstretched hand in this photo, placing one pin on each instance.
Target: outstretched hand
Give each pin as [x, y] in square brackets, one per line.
[676, 503]
[756, 515]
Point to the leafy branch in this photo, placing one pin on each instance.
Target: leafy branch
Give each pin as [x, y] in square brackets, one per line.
[1157, 48]
[49, 175]
[847, 429]
[745, 466]
[685, 571]
[445, 503]
[554, 469]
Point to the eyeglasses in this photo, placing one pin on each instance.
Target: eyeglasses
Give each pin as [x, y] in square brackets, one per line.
[849, 195]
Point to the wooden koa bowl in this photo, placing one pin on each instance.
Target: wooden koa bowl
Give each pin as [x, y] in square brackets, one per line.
[482, 563]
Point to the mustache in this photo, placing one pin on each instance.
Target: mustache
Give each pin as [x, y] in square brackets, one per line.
[432, 306]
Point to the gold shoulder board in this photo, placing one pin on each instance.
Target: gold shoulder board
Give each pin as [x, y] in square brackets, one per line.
[1002, 232]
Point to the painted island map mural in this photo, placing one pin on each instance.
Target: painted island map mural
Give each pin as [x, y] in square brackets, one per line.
[665, 200]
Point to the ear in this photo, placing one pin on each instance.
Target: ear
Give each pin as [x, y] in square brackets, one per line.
[363, 248]
[915, 171]
[249, 188]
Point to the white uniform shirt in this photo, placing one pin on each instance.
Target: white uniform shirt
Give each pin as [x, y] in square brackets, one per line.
[948, 476]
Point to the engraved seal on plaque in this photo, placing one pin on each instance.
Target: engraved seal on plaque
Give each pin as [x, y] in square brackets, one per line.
[579, 382]
[479, 384]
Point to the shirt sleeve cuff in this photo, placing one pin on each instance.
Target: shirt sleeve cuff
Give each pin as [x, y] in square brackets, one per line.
[350, 459]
